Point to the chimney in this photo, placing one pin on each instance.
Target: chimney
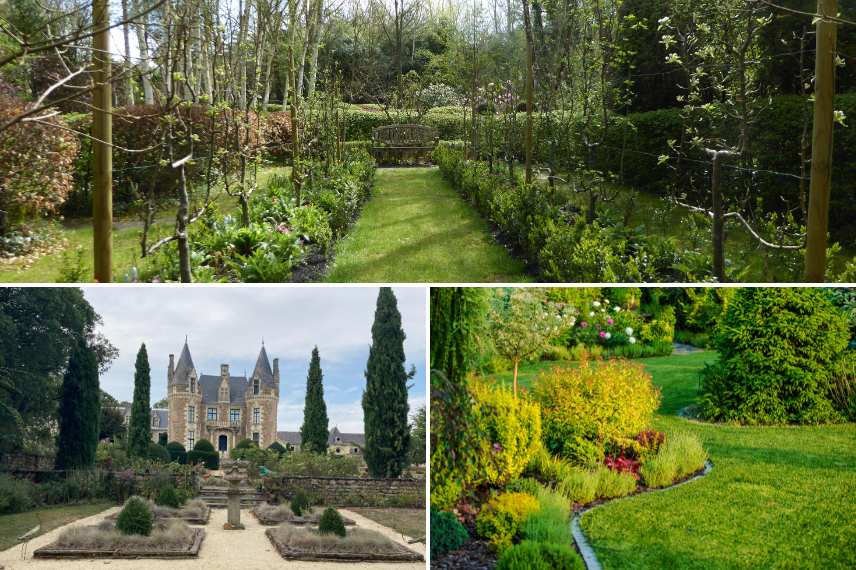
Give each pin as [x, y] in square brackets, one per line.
[170, 375]
[224, 370]
[276, 370]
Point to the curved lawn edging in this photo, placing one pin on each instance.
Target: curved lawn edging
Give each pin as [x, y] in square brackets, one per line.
[583, 545]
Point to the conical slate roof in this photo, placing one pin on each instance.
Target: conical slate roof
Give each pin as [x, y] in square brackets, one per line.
[184, 367]
[262, 369]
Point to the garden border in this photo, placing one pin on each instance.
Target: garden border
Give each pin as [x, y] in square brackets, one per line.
[586, 551]
[192, 552]
[287, 553]
[297, 521]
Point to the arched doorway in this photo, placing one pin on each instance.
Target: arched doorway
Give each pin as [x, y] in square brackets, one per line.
[223, 443]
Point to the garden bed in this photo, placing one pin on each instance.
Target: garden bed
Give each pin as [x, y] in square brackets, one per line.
[272, 515]
[173, 539]
[360, 545]
[194, 512]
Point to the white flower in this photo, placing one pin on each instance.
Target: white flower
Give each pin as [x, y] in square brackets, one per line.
[596, 304]
[606, 301]
[608, 336]
[591, 313]
[631, 340]
[617, 309]
[628, 331]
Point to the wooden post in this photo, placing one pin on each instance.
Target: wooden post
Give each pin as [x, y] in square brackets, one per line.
[102, 150]
[821, 152]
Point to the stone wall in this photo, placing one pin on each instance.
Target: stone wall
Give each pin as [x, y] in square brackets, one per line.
[351, 491]
[26, 462]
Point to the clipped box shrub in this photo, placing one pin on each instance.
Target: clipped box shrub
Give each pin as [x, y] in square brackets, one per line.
[509, 434]
[777, 348]
[447, 532]
[331, 522]
[532, 555]
[501, 519]
[168, 497]
[203, 452]
[592, 406]
[159, 453]
[135, 518]
[299, 503]
[681, 455]
[177, 452]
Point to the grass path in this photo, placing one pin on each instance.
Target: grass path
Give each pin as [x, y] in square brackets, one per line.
[415, 228]
[49, 518]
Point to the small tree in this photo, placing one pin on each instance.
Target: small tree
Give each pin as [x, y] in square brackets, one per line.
[140, 426]
[385, 406]
[314, 432]
[79, 410]
[523, 322]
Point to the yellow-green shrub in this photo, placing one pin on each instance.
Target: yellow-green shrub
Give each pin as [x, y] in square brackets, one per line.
[509, 433]
[597, 404]
[502, 518]
[681, 455]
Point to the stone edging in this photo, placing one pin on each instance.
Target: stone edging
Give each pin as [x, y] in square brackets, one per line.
[586, 550]
[192, 551]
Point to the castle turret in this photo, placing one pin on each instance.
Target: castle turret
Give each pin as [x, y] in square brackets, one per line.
[184, 397]
[170, 375]
[261, 400]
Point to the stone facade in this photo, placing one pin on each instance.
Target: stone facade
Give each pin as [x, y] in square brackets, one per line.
[223, 409]
[353, 491]
[338, 443]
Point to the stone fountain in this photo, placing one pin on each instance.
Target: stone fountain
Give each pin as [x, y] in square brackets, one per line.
[233, 476]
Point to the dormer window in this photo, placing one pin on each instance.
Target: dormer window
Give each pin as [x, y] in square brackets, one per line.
[255, 386]
[155, 421]
[192, 385]
[338, 439]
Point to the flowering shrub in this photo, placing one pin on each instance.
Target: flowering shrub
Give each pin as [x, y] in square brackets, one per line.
[593, 406]
[501, 519]
[439, 95]
[623, 464]
[650, 441]
[509, 434]
[605, 324]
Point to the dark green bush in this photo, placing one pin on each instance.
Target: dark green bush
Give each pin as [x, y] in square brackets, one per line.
[530, 555]
[277, 448]
[447, 532]
[135, 518]
[203, 452]
[168, 498]
[777, 348]
[159, 453]
[203, 445]
[16, 495]
[299, 503]
[177, 452]
[245, 443]
[331, 522]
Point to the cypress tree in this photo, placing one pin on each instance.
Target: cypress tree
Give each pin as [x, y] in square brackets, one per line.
[314, 432]
[140, 426]
[79, 410]
[385, 405]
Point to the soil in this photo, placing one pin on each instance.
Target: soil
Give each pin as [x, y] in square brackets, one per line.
[474, 555]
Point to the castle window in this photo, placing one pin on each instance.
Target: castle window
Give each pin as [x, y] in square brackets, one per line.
[257, 416]
[191, 414]
[190, 440]
[255, 386]
[338, 450]
[155, 421]
[356, 450]
[256, 437]
[212, 414]
[192, 385]
[234, 415]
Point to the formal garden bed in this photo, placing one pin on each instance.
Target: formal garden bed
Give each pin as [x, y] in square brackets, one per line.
[272, 515]
[193, 512]
[333, 542]
[584, 433]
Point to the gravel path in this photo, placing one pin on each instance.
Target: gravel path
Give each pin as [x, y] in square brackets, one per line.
[248, 549]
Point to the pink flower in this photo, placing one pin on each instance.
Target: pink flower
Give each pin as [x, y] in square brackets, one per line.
[283, 229]
[583, 325]
[609, 321]
[602, 334]
[497, 448]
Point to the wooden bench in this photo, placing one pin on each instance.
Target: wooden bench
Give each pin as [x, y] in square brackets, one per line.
[396, 144]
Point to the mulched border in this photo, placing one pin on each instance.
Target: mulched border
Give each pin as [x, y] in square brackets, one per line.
[190, 552]
[404, 554]
[298, 521]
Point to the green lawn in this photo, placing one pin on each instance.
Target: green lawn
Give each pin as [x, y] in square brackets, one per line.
[13, 526]
[415, 228]
[778, 497]
[126, 242]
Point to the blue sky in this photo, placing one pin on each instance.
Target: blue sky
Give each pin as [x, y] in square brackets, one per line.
[227, 324]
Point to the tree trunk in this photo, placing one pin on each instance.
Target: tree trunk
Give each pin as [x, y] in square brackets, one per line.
[516, 364]
[530, 90]
[126, 34]
[718, 233]
[142, 46]
[102, 150]
[821, 160]
[181, 227]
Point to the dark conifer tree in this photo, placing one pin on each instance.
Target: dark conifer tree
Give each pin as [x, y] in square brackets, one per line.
[140, 426]
[79, 410]
[385, 405]
[314, 431]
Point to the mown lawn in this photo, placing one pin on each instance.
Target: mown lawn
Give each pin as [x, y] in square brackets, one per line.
[409, 522]
[778, 497]
[415, 228]
[13, 526]
[126, 242]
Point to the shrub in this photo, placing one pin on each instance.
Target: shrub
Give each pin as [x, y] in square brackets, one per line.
[135, 518]
[245, 443]
[16, 495]
[159, 453]
[168, 498]
[177, 452]
[526, 485]
[331, 522]
[299, 503]
[203, 452]
[612, 483]
[681, 455]
[277, 448]
[305, 463]
[203, 445]
[777, 348]
[509, 433]
[531, 555]
[843, 386]
[447, 532]
[550, 522]
[579, 486]
[501, 519]
[594, 405]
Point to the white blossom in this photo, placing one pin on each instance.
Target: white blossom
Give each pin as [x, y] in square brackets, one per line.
[628, 331]
[632, 340]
